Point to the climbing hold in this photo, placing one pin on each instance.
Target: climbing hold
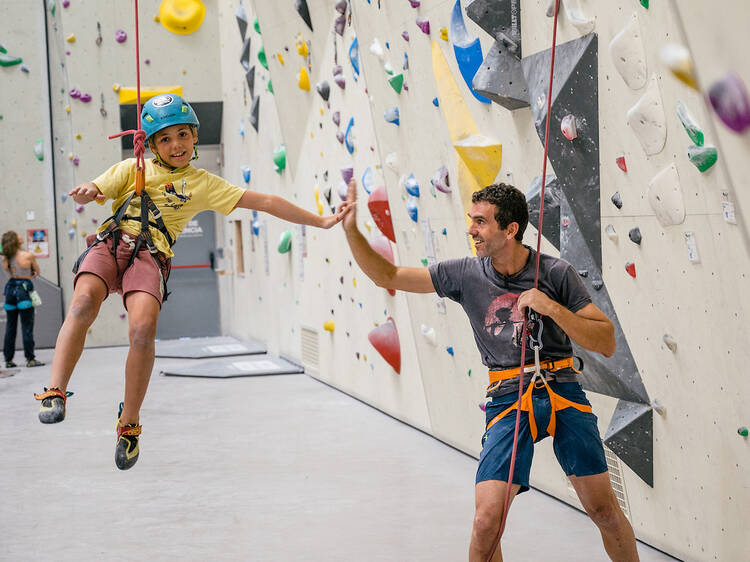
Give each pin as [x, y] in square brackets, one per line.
[729, 99]
[450, 351]
[79, 209]
[648, 121]
[241, 17]
[424, 25]
[85, 98]
[71, 38]
[116, 87]
[414, 3]
[368, 180]
[444, 33]
[349, 136]
[385, 340]
[425, 262]
[611, 233]
[583, 272]
[71, 233]
[339, 24]
[303, 79]
[670, 342]
[405, 35]
[743, 431]
[580, 21]
[435, 102]
[324, 89]
[75, 93]
[7, 60]
[303, 11]
[635, 235]
[329, 326]
[630, 268]
[347, 174]
[256, 25]
[39, 150]
[411, 185]
[250, 77]
[285, 242]
[429, 334]
[468, 51]
[354, 56]
[597, 284]
[269, 86]
[482, 155]
[621, 163]
[66, 3]
[440, 180]
[246, 173]
[121, 36]
[381, 212]
[644, 3]
[677, 59]
[692, 128]
[76, 160]
[411, 208]
[338, 76]
[665, 197]
[245, 55]
[617, 200]
[377, 49]
[444, 232]
[340, 137]
[182, 17]
[658, 407]
[340, 6]
[279, 158]
[262, 57]
[388, 68]
[629, 56]
[391, 160]
[405, 66]
[568, 127]
[302, 48]
[280, 57]
[703, 157]
[336, 118]
[255, 112]
[397, 82]
[391, 115]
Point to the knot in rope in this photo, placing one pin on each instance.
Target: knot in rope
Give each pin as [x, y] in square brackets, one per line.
[139, 144]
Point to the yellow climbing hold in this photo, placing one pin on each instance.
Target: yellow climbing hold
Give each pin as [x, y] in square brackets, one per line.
[354, 282]
[78, 136]
[128, 95]
[280, 57]
[329, 325]
[677, 59]
[444, 33]
[182, 17]
[302, 46]
[67, 108]
[71, 38]
[157, 19]
[116, 87]
[303, 79]
[483, 157]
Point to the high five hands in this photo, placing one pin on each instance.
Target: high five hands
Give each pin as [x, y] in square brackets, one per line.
[341, 213]
[85, 193]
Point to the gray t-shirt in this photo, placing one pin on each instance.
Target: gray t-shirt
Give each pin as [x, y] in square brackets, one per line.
[489, 299]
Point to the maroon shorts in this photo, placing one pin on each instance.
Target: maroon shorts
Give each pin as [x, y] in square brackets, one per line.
[143, 275]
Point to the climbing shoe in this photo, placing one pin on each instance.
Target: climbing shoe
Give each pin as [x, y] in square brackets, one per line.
[126, 450]
[10, 365]
[34, 363]
[52, 409]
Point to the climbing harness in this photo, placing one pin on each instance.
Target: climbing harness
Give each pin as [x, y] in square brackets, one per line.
[519, 405]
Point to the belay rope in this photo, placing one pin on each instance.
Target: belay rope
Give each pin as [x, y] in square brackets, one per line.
[525, 332]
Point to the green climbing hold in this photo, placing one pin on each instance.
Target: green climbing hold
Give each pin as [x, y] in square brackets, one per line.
[256, 25]
[424, 262]
[270, 86]
[262, 57]
[3, 49]
[469, 372]
[397, 82]
[703, 156]
[285, 242]
[644, 3]
[52, 7]
[743, 431]
[39, 150]
[279, 158]
[691, 125]
[7, 60]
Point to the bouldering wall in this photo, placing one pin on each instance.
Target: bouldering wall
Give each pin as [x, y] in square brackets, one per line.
[425, 102]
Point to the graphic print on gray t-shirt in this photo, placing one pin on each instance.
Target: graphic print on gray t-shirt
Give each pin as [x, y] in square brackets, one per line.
[490, 301]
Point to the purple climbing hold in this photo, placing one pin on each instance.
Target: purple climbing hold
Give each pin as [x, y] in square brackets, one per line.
[85, 98]
[76, 160]
[405, 35]
[347, 173]
[80, 208]
[75, 93]
[341, 7]
[66, 3]
[340, 137]
[414, 3]
[424, 25]
[121, 36]
[729, 99]
[440, 180]
[339, 24]
[338, 76]
[336, 118]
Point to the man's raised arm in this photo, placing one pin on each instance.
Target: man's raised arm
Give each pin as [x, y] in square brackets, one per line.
[375, 266]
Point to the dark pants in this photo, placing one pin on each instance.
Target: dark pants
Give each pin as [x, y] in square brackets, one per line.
[27, 331]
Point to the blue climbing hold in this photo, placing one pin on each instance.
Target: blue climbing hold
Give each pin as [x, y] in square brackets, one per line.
[246, 173]
[411, 208]
[435, 102]
[411, 186]
[391, 115]
[348, 141]
[354, 57]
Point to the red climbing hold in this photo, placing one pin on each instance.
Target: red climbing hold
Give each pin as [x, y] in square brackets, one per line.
[383, 247]
[621, 163]
[630, 268]
[385, 340]
[381, 212]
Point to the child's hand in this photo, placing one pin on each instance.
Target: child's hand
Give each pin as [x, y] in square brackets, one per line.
[85, 193]
[346, 208]
[350, 217]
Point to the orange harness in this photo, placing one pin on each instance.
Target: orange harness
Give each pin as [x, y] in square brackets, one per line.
[556, 401]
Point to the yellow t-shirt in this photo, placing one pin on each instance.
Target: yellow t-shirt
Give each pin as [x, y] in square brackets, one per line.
[179, 195]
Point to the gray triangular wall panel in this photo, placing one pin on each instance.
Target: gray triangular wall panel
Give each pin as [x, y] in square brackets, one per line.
[630, 437]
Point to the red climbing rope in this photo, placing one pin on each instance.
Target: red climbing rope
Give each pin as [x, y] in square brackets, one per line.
[139, 135]
[525, 332]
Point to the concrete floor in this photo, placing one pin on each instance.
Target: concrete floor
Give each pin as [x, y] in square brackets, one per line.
[258, 468]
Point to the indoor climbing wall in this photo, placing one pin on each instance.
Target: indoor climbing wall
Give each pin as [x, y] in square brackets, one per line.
[425, 102]
[91, 55]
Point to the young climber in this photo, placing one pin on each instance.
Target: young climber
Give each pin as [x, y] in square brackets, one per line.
[131, 253]
[22, 268]
[495, 290]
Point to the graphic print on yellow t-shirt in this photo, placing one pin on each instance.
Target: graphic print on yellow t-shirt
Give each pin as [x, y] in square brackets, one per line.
[179, 195]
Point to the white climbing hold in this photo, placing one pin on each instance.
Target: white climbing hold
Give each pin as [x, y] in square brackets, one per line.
[629, 56]
[377, 49]
[568, 127]
[391, 160]
[611, 233]
[658, 407]
[429, 334]
[670, 342]
[648, 121]
[343, 190]
[580, 21]
[665, 197]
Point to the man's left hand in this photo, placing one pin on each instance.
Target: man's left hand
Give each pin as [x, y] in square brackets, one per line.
[538, 301]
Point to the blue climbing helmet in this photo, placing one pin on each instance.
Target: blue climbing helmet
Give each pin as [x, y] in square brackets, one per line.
[164, 111]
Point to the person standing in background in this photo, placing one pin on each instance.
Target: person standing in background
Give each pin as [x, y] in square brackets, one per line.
[22, 267]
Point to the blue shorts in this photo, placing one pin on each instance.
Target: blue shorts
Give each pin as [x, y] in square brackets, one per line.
[577, 444]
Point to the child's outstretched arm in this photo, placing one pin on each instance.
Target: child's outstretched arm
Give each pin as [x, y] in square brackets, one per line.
[283, 209]
[87, 192]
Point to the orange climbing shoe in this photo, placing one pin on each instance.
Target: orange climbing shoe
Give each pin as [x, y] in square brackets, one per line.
[126, 450]
[52, 408]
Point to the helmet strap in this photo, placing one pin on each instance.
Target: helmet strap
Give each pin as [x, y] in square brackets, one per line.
[195, 153]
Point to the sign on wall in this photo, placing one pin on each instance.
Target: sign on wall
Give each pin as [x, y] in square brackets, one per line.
[37, 242]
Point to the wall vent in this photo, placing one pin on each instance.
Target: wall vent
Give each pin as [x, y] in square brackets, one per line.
[618, 482]
[310, 355]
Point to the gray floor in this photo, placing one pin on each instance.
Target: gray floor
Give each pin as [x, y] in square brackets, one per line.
[258, 468]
